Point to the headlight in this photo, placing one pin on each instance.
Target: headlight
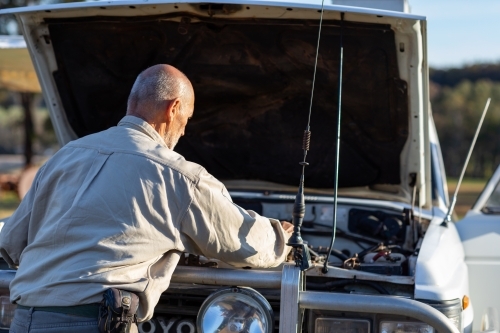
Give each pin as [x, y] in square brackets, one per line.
[404, 327]
[342, 325]
[235, 310]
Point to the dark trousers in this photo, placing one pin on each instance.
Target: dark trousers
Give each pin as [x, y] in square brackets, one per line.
[51, 322]
[33, 321]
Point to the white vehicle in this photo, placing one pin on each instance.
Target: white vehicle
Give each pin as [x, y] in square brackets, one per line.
[480, 234]
[396, 267]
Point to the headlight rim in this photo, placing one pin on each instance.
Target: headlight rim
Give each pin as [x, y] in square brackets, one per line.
[246, 291]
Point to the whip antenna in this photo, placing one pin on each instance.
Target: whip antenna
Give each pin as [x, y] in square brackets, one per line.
[447, 218]
[301, 251]
[337, 158]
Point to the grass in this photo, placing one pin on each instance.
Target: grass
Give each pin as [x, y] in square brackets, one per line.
[469, 185]
[8, 203]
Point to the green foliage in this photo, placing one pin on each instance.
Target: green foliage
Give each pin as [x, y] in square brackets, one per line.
[11, 134]
[453, 76]
[12, 130]
[457, 111]
[8, 203]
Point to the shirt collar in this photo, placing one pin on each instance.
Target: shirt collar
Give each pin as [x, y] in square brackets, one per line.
[142, 126]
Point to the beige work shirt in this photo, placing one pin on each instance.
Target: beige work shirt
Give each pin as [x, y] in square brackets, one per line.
[116, 209]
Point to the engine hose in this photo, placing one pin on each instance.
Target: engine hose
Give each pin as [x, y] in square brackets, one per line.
[340, 233]
[314, 253]
[380, 255]
[338, 254]
[336, 284]
[398, 249]
[375, 248]
[335, 252]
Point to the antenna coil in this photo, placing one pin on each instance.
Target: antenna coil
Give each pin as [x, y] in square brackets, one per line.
[301, 250]
[306, 141]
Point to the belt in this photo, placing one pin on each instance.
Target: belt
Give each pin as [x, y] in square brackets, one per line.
[86, 310]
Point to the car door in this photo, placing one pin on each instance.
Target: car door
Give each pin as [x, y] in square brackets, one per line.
[480, 235]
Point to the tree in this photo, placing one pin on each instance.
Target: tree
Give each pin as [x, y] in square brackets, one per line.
[457, 111]
[9, 26]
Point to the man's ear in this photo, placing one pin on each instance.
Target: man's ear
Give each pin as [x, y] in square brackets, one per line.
[172, 109]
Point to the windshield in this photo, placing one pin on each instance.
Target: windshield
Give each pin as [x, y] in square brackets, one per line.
[493, 204]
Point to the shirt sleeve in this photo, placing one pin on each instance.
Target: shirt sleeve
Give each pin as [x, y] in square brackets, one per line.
[14, 233]
[217, 228]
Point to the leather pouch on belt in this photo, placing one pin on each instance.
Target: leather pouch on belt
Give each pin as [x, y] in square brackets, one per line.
[118, 311]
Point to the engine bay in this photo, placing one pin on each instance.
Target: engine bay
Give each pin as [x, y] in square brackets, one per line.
[371, 239]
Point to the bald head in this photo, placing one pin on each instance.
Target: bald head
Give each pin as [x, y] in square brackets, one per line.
[163, 96]
[155, 87]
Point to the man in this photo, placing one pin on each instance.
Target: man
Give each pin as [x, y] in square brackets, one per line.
[117, 208]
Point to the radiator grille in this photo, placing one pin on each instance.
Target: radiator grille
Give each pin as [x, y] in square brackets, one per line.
[185, 302]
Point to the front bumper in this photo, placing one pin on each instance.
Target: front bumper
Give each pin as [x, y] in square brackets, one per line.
[294, 299]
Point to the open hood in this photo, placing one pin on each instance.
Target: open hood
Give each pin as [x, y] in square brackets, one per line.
[251, 65]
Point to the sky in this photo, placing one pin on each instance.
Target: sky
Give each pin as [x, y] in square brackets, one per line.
[460, 32]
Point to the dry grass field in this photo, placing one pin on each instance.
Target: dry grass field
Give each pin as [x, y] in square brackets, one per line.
[469, 191]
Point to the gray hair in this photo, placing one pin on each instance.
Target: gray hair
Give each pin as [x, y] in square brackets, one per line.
[153, 87]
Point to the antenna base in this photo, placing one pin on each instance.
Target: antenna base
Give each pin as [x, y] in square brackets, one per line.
[301, 256]
[445, 221]
[295, 240]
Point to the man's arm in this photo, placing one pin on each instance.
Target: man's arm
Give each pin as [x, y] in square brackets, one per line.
[217, 228]
[14, 233]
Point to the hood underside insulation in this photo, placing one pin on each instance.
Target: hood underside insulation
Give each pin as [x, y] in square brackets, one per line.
[252, 80]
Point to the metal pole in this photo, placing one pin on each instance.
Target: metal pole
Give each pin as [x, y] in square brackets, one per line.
[227, 277]
[377, 304]
[337, 157]
[454, 199]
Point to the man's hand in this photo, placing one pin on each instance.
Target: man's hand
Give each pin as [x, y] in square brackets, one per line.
[287, 226]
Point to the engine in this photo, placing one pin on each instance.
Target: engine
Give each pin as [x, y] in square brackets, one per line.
[374, 239]
[369, 239]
